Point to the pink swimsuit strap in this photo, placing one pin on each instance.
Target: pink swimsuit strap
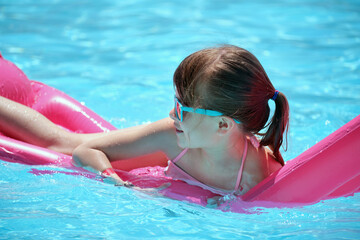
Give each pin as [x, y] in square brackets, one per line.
[180, 155]
[238, 180]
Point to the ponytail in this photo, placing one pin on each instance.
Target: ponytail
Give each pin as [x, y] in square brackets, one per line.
[277, 126]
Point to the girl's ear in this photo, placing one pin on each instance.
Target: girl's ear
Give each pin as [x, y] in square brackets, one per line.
[225, 125]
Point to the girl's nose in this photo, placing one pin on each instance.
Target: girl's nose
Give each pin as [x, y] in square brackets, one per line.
[172, 114]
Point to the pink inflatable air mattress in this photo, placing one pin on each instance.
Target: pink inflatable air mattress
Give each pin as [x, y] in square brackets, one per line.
[329, 169]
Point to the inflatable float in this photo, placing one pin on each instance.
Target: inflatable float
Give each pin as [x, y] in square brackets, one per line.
[329, 169]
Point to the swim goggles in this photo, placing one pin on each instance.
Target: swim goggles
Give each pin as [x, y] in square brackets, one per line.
[179, 109]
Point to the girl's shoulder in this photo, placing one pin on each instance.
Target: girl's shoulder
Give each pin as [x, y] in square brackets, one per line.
[254, 140]
[164, 133]
[260, 162]
[137, 141]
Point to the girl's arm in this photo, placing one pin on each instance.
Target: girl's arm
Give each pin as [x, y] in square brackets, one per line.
[97, 153]
[23, 123]
[95, 150]
[26, 124]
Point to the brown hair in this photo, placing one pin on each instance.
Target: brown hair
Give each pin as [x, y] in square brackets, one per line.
[232, 81]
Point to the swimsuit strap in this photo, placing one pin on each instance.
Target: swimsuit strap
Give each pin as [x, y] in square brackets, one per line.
[180, 155]
[238, 180]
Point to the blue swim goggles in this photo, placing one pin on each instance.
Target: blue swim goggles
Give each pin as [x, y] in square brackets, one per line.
[179, 109]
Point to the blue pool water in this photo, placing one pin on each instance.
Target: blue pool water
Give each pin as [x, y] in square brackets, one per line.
[118, 58]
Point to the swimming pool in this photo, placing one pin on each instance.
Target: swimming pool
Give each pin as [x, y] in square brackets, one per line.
[117, 57]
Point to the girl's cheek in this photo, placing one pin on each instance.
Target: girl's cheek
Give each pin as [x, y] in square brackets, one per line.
[185, 115]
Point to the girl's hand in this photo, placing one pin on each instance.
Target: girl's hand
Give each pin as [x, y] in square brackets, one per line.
[153, 191]
[110, 174]
[122, 183]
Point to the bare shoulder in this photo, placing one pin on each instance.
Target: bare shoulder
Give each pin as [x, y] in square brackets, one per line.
[138, 140]
[259, 164]
[165, 126]
[164, 131]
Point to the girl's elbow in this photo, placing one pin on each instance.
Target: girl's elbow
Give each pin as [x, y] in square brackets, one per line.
[86, 156]
[78, 156]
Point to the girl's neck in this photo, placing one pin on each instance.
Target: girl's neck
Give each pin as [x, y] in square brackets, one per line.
[226, 152]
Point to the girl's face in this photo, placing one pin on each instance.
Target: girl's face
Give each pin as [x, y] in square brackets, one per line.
[195, 131]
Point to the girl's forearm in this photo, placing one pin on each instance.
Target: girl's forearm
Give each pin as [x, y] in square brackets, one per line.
[96, 159]
[23, 123]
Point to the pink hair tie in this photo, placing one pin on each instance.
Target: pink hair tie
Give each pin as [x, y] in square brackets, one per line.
[275, 95]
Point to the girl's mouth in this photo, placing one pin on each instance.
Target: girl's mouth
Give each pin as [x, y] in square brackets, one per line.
[178, 131]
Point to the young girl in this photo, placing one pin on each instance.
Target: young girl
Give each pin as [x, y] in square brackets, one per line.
[221, 102]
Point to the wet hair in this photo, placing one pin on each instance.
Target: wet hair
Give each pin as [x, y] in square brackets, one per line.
[231, 80]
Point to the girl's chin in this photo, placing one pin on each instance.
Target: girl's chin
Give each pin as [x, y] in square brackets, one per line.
[181, 143]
